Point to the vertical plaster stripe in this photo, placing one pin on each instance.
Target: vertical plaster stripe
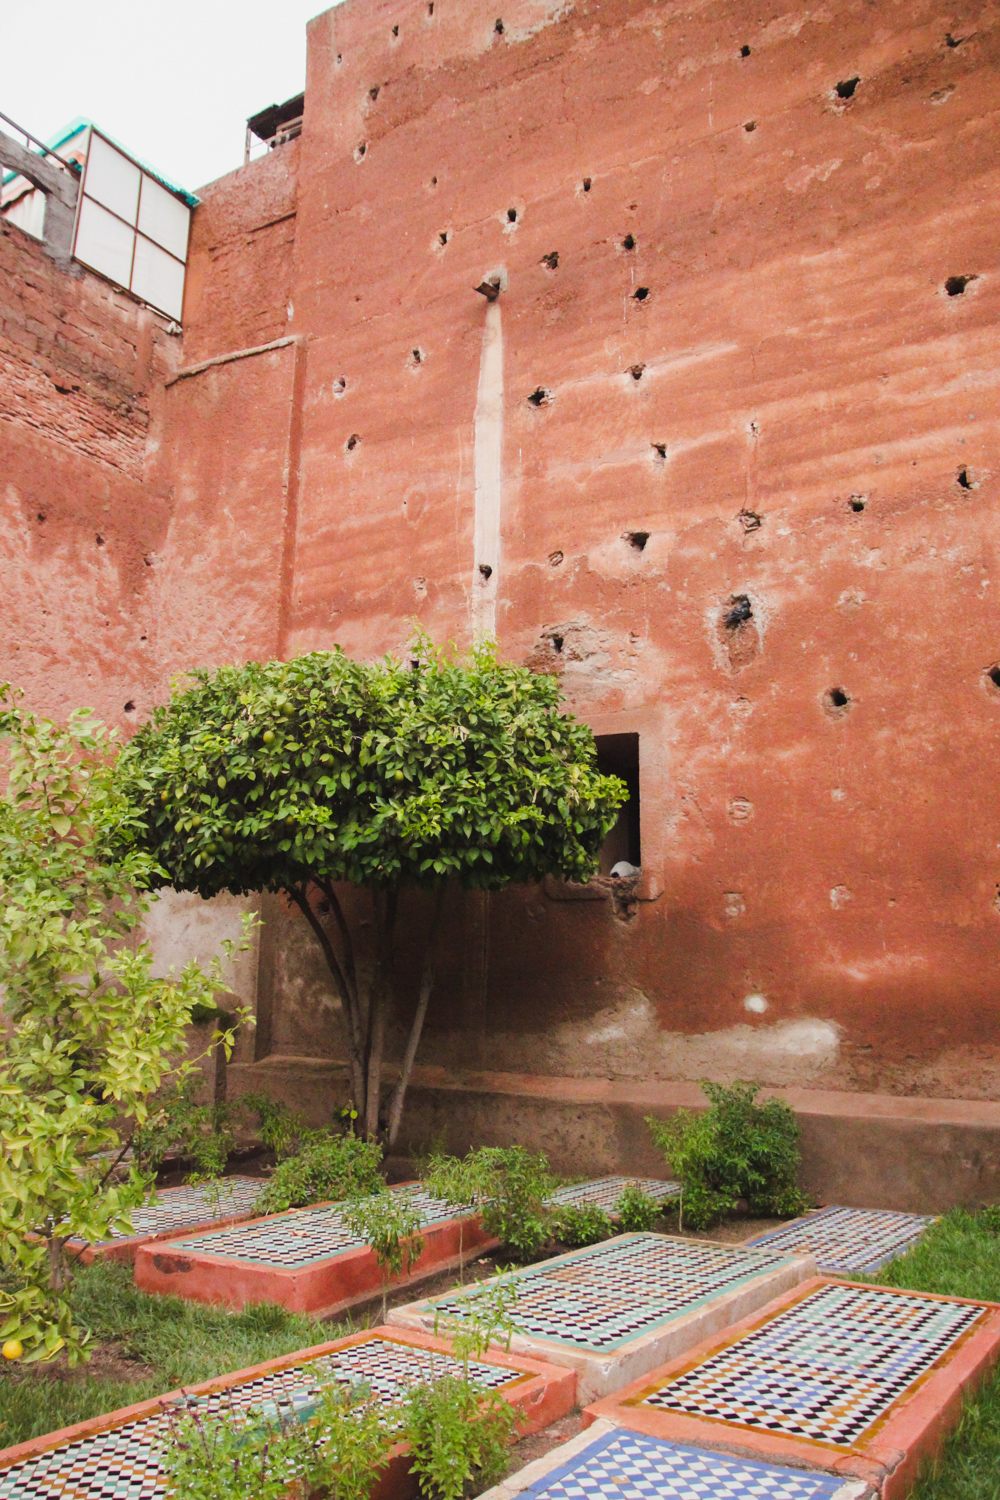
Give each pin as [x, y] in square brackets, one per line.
[293, 464]
[488, 469]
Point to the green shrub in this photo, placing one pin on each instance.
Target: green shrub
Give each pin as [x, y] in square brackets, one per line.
[636, 1211]
[458, 1181]
[582, 1224]
[989, 1217]
[328, 1168]
[516, 1185]
[734, 1149]
[458, 1436]
[390, 1225]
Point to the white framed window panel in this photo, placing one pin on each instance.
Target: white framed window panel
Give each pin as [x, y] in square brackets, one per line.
[132, 229]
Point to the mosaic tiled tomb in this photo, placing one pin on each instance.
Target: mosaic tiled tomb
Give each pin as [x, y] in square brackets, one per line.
[114, 1457]
[610, 1463]
[305, 1260]
[177, 1211]
[848, 1241]
[857, 1380]
[606, 1191]
[616, 1310]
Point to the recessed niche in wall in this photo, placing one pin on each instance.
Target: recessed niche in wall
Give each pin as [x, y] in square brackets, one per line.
[618, 755]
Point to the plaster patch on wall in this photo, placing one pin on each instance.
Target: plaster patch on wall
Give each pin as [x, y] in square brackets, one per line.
[180, 926]
[626, 1040]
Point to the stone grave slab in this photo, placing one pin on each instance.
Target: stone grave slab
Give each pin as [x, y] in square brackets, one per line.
[616, 1310]
[860, 1381]
[610, 1463]
[177, 1210]
[114, 1457]
[848, 1241]
[605, 1192]
[306, 1260]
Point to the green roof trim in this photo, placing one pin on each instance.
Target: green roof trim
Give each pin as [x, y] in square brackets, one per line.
[75, 126]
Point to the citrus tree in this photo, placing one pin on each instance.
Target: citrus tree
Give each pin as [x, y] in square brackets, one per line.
[299, 776]
[87, 1035]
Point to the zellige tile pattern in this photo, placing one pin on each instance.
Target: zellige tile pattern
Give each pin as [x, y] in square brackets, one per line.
[848, 1241]
[825, 1369]
[605, 1191]
[302, 1236]
[630, 1466]
[608, 1294]
[122, 1464]
[176, 1207]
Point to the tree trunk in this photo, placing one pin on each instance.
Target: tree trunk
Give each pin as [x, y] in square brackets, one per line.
[385, 904]
[413, 1040]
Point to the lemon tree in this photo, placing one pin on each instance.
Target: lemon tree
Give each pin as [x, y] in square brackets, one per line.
[87, 1035]
[398, 777]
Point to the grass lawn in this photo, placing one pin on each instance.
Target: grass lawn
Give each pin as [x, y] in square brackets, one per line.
[145, 1346]
[960, 1257]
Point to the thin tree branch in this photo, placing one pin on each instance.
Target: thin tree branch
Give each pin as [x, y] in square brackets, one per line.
[423, 999]
[385, 925]
[350, 970]
[357, 1062]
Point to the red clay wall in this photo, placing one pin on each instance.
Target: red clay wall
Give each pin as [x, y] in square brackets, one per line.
[797, 347]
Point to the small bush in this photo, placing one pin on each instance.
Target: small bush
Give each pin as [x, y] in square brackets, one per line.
[328, 1167]
[583, 1224]
[734, 1149]
[989, 1217]
[636, 1211]
[458, 1437]
[516, 1185]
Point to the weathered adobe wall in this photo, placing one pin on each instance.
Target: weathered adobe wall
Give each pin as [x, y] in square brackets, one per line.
[81, 378]
[797, 347]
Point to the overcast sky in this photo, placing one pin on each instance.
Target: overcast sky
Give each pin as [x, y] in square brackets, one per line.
[172, 82]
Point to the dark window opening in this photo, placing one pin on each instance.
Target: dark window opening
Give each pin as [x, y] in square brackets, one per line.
[618, 755]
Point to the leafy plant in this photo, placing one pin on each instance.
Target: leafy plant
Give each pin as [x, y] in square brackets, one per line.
[177, 1125]
[458, 1436]
[484, 1319]
[91, 1034]
[635, 1210]
[327, 1167]
[989, 1217]
[582, 1224]
[390, 1225]
[234, 1453]
[296, 776]
[734, 1149]
[460, 1181]
[516, 1184]
[280, 1126]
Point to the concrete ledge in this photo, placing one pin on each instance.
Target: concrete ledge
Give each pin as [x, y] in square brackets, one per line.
[865, 1150]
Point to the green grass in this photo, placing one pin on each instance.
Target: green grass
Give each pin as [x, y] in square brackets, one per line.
[960, 1257]
[182, 1342]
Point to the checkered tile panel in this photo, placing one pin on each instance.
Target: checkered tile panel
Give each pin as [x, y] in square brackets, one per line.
[825, 1369]
[605, 1191]
[122, 1464]
[176, 1207]
[302, 1236]
[609, 1294]
[849, 1241]
[629, 1466]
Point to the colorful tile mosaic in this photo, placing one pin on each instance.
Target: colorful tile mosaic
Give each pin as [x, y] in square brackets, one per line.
[825, 1369]
[848, 1241]
[302, 1236]
[605, 1191]
[629, 1466]
[121, 1464]
[176, 1207]
[609, 1294]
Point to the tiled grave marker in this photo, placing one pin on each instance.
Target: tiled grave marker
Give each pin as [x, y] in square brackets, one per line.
[609, 1463]
[306, 1260]
[857, 1380]
[848, 1241]
[178, 1210]
[615, 1310]
[114, 1457]
[606, 1191]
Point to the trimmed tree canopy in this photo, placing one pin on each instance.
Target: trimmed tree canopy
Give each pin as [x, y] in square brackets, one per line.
[285, 775]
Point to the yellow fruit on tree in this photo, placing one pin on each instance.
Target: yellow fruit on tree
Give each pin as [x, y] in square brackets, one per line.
[13, 1349]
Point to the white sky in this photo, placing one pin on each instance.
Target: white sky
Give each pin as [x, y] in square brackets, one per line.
[173, 82]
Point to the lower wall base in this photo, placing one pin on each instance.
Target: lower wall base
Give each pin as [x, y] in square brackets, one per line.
[865, 1150]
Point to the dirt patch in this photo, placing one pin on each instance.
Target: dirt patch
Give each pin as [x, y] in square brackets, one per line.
[107, 1362]
[540, 1443]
